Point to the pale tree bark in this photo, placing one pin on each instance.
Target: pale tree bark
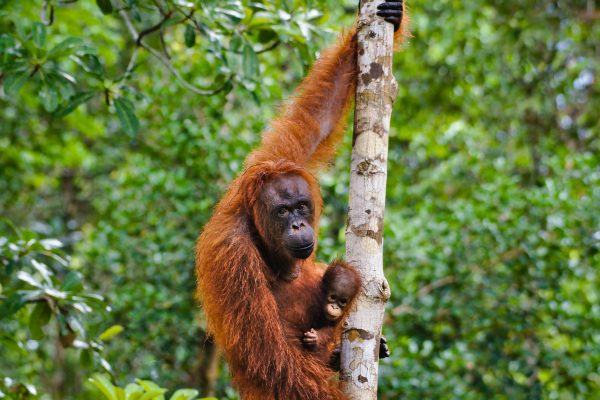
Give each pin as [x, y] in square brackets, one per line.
[375, 94]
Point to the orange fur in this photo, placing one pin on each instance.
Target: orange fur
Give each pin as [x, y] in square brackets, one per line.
[301, 307]
[235, 285]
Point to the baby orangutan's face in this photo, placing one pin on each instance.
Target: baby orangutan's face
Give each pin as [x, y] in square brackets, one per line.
[338, 296]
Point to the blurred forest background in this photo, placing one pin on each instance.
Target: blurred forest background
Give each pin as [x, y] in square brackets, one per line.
[122, 122]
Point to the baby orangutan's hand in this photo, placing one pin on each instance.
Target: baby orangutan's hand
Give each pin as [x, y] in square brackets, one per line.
[310, 338]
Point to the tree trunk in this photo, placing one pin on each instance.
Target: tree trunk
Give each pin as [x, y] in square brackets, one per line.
[375, 94]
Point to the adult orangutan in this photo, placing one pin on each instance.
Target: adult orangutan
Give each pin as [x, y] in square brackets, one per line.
[255, 258]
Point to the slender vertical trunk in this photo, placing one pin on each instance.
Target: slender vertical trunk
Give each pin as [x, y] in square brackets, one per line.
[375, 94]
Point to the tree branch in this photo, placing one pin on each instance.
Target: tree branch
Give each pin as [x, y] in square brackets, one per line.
[166, 62]
[153, 28]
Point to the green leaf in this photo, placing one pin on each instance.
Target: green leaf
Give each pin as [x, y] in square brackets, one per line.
[72, 282]
[148, 385]
[262, 19]
[126, 114]
[49, 98]
[75, 101]
[39, 34]
[105, 6]
[250, 62]
[6, 42]
[11, 305]
[9, 343]
[90, 63]
[120, 393]
[111, 332]
[86, 358]
[153, 391]
[154, 394]
[190, 36]
[13, 83]
[28, 278]
[39, 317]
[64, 47]
[235, 44]
[184, 394]
[133, 391]
[105, 386]
[266, 35]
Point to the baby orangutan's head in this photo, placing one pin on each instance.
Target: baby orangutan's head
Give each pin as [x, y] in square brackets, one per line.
[340, 285]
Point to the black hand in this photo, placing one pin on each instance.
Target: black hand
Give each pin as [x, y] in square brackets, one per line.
[335, 361]
[391, 11]
[384, 350]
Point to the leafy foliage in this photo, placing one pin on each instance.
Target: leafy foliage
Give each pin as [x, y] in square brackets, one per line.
[39, 291]
[140, 390]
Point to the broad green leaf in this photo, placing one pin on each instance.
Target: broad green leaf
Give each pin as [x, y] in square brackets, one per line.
[153, 394]
[28, 278]
[262, 19]
[190, 36]
[6, 42]
[105, 386]
[74, 102]
[90, 63]
[126, 114]
[39, 317]
[43, 270]
[111, 332]
[11, 305]
[120, 393]
[49, 98]
[236, 43]
[153, 391]
[184, 394]
[266, 35]
[72, 282]
[250, 62]
[86, 358]
[9, 343]
[14, 82]
[105, 6]
[63, 47]
[133, 391]
[39, 34]
[149, 385]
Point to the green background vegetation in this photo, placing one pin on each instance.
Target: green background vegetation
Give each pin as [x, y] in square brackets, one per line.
[110, 165]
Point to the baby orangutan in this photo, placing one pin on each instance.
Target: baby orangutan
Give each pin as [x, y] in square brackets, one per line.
[339, 288]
